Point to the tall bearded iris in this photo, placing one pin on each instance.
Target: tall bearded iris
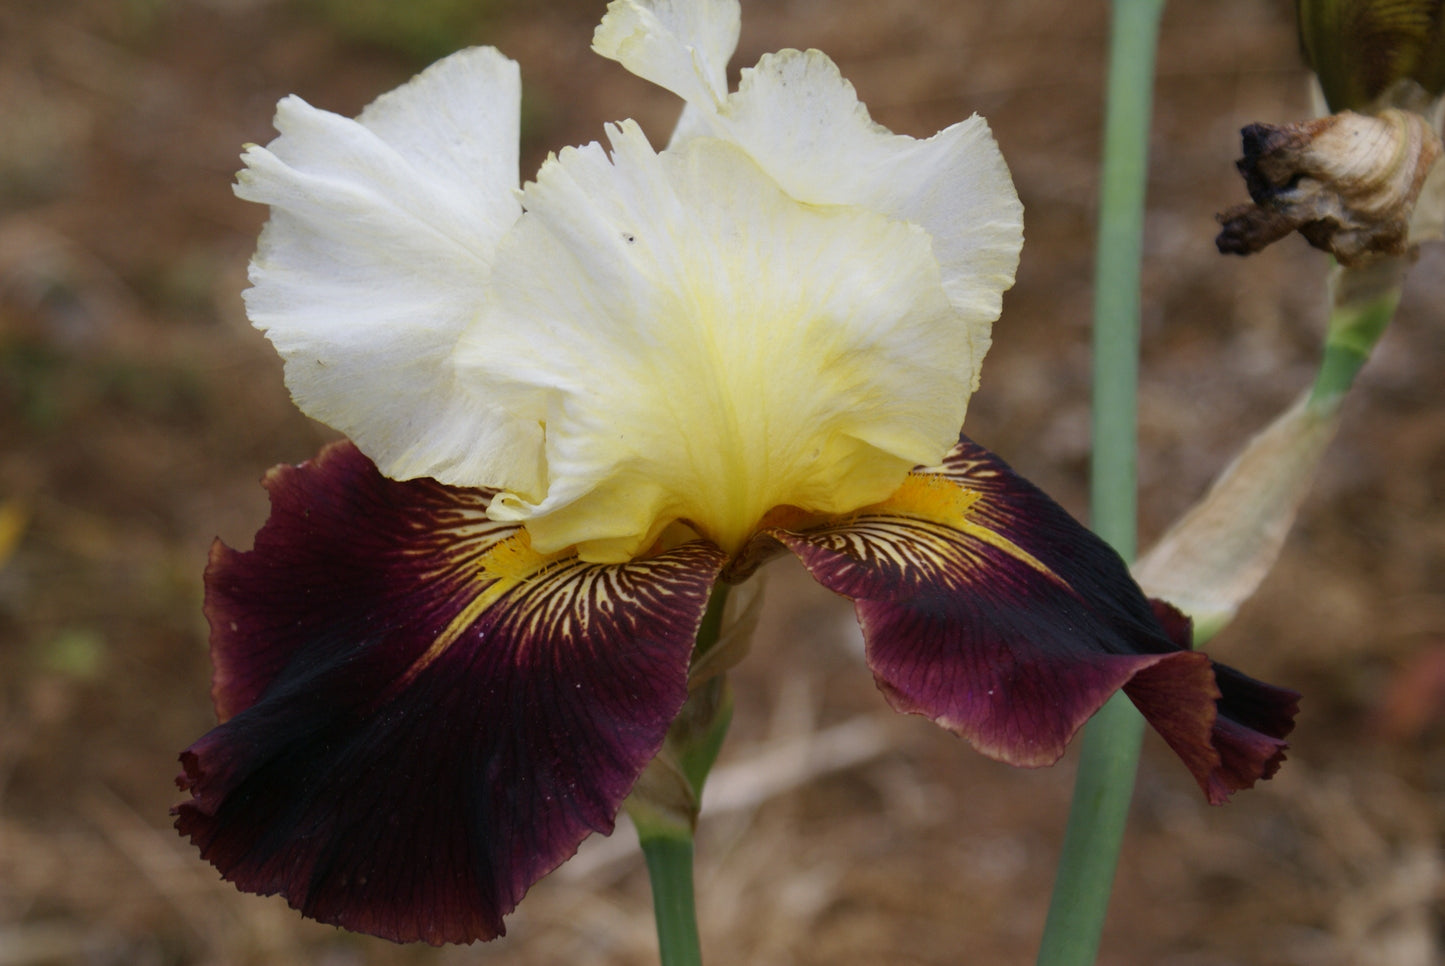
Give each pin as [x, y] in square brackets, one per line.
[573, 410]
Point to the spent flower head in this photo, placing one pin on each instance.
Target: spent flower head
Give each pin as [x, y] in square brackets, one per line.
[1364, 181]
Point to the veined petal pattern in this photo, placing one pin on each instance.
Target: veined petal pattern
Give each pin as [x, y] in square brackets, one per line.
[990, 610]
[422, 716]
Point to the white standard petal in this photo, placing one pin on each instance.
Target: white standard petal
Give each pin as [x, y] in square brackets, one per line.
[376, 257]
[681, 45]
[702, 347]
[803, 124]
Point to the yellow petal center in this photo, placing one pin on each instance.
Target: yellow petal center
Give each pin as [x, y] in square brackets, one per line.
[703, 348]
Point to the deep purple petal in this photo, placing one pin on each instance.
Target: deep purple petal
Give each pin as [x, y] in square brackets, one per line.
[423, 717]
[989, 609]
[1246, 734]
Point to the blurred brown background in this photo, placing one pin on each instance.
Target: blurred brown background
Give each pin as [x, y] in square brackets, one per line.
[138, 410]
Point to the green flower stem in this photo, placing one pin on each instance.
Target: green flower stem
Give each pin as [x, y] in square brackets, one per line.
[1110, 752]
[1108, 759]
[669, 867]
[665, 803]
[1362, 303]
[697, 736]
[1117, 269]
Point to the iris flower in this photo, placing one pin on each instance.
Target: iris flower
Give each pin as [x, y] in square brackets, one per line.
[575, 408]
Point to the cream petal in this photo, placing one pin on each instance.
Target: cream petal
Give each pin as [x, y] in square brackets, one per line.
[702, 347]
[802, 122]
[681, 45]
[378, 254]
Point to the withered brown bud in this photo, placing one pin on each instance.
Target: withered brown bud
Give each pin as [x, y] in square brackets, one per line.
[1348, 183]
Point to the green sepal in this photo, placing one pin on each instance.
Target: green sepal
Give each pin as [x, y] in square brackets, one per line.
[668, 795]
[699, 752]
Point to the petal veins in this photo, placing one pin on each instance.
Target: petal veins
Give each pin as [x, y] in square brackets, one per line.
[396, 758]
[987, 608]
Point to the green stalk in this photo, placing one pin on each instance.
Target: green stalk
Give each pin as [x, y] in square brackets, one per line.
[1119, 250]
[665, 802]
[669, 867]
[1110, 749]
[1362, 303]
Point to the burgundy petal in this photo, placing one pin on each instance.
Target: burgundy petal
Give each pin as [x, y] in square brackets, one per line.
[423, 716]
[1247, 732]
[989, 609]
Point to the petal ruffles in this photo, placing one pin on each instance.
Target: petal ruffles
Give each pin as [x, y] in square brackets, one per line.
[702, 347]
[377, 255]
[421, 715]
[987, 608]
[802, 123]
[681, 46]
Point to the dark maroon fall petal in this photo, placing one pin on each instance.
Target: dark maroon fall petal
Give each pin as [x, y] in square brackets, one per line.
[342, 545]
[987, 608]
[1246, 734]
[421, 717]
